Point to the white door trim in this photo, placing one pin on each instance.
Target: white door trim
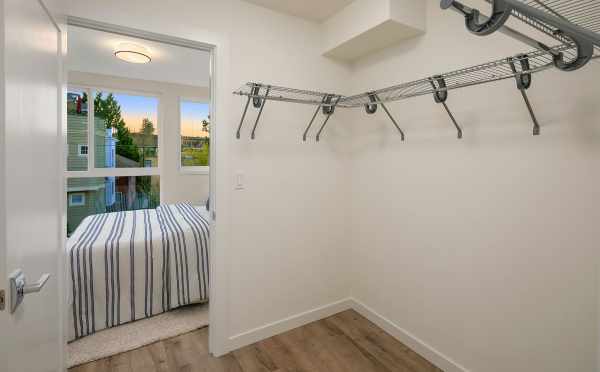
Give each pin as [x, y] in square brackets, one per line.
[218, 274]
[140, 34]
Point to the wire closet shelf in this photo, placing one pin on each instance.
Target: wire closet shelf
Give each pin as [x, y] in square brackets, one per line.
[584, 14]
[575, 24]
[260, 91]
[501, 69]
[538, 60]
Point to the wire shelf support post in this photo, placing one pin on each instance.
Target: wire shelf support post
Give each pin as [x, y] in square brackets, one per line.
[371, 108]
[440, 95]
[258, 102]
[328, 110]
[262, 102]
[523, 83]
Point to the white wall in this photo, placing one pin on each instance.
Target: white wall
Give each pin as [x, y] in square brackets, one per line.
[483, 248]
[176, 185]
[281, 239]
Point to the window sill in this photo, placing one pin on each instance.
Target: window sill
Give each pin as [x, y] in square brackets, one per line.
[194, 170]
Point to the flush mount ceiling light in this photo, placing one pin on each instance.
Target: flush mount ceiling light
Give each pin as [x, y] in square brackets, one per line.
[132, 53]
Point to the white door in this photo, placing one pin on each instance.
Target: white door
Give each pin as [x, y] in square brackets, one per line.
[30, 185]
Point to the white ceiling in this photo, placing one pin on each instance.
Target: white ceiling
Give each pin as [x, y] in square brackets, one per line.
[315, 10]
[92, 51]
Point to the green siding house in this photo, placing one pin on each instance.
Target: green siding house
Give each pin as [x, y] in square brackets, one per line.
[93, 195]
[87, 196]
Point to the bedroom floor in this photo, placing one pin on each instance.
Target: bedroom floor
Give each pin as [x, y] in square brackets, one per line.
[134, 335]
[345, 342]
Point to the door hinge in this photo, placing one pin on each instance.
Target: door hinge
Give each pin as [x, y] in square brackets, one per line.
[2, 300]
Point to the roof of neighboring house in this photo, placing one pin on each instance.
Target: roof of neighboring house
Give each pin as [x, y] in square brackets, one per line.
[85, 184]
[123, 162]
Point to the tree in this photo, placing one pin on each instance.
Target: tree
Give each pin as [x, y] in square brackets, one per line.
[206, 129]
[147, 127]
[148, 143]
[109, 109]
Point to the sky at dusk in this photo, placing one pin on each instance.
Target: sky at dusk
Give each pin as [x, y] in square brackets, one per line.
[192, 114]
[135, 108]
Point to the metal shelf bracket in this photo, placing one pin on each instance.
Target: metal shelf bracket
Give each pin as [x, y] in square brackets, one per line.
[311, 122]
[371, 108]
[262, 102]
[258, 102]
[440, 95]
[328, 110]
[524, 79]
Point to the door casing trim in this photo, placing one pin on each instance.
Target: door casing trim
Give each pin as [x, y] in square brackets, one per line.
[218, 341]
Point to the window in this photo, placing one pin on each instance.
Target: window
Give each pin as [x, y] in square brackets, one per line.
[124, 127]
[109, 194]
[82, 150]
[195, 135]
[76, 199]
[128, 136]
[112, 160]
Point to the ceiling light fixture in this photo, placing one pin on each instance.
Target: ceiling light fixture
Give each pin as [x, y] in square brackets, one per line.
[132, 53]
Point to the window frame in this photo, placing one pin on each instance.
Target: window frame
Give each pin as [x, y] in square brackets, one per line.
[190, 169]
[92, 171]
[81, 204]
[80, 146]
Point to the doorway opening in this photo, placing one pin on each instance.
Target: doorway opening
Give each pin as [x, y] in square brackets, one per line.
[140, 159]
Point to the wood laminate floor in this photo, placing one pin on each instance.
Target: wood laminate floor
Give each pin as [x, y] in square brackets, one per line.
[345, 342]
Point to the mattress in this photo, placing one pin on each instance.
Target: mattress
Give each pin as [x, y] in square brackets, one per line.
[125, 266]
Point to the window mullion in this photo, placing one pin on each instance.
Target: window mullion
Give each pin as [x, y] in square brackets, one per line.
[91, 131]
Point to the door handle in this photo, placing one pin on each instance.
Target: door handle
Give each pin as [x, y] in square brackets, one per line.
[37, 286]
[19, 287]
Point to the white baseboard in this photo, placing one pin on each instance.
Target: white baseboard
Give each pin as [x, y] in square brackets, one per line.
[268, 330]
[428, 352]
[283, 325]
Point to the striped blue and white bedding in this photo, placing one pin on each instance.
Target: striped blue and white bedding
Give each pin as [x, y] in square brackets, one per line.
[131, 265]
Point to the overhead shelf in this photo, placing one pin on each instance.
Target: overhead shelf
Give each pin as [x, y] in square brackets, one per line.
[572, 23]
[584, 14]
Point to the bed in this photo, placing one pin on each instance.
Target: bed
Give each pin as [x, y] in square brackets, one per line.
[125, 266]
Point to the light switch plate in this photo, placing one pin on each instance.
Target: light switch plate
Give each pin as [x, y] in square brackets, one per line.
[239, 181]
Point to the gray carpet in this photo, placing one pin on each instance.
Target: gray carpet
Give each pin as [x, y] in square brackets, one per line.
[136, 334]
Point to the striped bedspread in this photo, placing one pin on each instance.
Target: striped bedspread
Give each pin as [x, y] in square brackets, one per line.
[131, 265]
